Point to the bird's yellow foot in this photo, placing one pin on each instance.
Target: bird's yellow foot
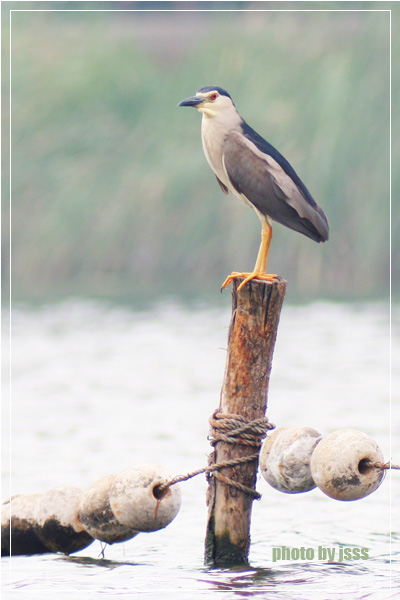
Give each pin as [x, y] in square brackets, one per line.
[248, 277]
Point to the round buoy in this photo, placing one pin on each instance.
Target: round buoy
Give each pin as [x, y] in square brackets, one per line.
[340, 465]
[18, 532]
[57, 523]
[285, 458]
[96, 515]
[136, 501]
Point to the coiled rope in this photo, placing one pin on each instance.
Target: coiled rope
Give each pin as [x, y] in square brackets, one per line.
[231, 429]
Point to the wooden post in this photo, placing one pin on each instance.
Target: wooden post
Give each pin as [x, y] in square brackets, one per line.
[251, 340]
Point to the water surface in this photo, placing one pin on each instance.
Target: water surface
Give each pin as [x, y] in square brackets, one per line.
[97, 387]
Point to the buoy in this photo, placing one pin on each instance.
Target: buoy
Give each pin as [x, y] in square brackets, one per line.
[96, 515]
[136, 501]
[285, 458]
[56, 521]
[340, 465]
[18, 533]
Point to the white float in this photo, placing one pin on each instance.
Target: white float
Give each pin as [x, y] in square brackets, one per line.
[56, 520]
[96, 516]
[341, 465]
[135, 499]
[285, 458]
[18, 522]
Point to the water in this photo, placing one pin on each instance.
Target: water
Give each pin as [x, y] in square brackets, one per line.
[96, 388]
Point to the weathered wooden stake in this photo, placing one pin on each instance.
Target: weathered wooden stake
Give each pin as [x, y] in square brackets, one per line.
[251, 340]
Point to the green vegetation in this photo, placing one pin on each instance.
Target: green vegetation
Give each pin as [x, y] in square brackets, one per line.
[111, 193]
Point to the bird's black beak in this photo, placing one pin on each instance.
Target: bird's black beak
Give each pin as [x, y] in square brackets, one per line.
[194, 101]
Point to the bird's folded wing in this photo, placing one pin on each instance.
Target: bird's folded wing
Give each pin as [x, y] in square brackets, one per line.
[261, 179]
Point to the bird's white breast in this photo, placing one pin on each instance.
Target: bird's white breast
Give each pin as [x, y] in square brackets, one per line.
[214, 131]
[213, 137]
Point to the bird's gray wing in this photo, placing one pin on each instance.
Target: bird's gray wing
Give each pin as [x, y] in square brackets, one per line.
[264, 183]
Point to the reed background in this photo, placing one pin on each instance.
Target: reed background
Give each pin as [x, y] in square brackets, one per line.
[111, 194]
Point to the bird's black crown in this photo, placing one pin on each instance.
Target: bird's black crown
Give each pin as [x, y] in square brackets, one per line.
[211, 88]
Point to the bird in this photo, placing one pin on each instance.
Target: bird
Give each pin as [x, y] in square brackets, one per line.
[249, 167]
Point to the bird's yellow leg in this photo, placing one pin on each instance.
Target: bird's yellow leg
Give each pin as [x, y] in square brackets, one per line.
[260, 269]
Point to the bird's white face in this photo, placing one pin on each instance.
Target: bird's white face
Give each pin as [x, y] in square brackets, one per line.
[214, 103]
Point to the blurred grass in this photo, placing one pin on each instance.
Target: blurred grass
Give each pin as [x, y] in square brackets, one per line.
[111, 193]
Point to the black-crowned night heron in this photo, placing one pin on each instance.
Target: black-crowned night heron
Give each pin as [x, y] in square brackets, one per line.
[249, 167]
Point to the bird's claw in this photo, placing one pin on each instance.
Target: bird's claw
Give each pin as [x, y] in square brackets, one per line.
[248, 277]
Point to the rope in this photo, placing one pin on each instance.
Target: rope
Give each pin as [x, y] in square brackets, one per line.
[214, 467]
[231, 429]
[235, 429]
[383, 466]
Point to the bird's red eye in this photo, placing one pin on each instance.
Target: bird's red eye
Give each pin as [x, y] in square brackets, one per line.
[214, 96]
